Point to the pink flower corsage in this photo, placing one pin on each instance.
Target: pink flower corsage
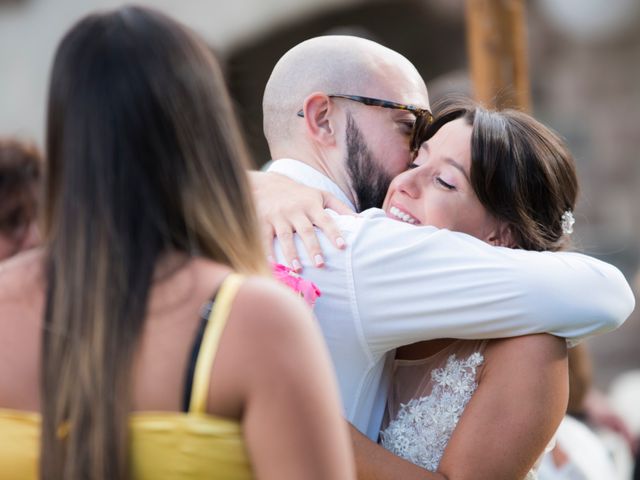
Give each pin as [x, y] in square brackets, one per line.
[305, 288]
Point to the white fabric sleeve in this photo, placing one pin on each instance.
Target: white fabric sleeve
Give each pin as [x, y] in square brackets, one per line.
[419, 283]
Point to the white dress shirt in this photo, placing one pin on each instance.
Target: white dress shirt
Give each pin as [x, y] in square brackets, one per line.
[397, 284]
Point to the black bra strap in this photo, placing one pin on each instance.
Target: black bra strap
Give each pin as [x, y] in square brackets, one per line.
[193, 357]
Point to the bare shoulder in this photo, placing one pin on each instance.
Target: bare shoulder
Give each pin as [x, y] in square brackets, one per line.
[268, 322]
[266, 306]
[21, 278]
[527, 344]
[22, 294]
[527, 351]
[261, 304]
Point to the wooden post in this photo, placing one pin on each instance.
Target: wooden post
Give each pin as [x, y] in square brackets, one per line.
[497, 45]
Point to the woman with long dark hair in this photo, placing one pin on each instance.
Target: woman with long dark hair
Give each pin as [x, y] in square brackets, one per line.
[115, 355]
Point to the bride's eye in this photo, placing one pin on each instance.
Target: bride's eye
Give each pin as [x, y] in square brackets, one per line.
[446, 185]
[413, 165]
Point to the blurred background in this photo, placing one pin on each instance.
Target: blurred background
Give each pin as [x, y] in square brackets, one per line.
[584, 73]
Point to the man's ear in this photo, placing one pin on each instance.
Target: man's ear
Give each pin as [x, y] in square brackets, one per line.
[502, 236]
[318, 109]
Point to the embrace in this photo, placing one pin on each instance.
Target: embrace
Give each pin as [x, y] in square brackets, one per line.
[144, 339]
[450, 352]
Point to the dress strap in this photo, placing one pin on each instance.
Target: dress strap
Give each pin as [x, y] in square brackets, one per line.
[211, 339]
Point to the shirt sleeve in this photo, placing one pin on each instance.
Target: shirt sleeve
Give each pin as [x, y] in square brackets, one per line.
[418, 283]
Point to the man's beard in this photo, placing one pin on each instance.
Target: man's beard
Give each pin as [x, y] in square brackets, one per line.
[369, 181]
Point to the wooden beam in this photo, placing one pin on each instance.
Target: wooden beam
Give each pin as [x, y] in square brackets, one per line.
[497, 46]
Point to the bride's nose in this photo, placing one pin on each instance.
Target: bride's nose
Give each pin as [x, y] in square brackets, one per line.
[408, 183]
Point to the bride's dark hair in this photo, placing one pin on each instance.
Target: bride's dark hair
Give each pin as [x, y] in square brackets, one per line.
[521, 171]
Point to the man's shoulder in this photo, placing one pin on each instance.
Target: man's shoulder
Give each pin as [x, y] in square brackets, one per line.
[370, 217]
[374, 223]
[356, 218]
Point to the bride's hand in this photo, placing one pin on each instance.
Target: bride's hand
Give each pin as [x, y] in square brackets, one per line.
[286, 207]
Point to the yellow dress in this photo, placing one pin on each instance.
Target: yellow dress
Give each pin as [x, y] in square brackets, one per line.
[163, 445]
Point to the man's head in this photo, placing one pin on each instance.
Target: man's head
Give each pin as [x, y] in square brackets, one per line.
[359, 145]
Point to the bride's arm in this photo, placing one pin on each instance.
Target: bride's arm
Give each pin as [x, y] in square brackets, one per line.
[373, 462]
[286, 207]
[521, 398]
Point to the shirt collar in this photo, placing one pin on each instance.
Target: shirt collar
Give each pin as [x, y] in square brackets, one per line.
[309, 176]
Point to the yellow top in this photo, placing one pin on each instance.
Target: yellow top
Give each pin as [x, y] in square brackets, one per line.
[163, 445]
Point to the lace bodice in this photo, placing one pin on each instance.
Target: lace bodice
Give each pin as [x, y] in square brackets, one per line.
[427, 399]
[422, 426]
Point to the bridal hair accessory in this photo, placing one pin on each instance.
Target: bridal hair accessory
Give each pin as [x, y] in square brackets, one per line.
[567, 222]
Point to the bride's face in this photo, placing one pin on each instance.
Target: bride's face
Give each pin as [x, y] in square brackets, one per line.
[437, 191]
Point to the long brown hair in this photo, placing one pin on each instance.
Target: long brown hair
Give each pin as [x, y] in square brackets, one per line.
[521, 171]
[144, 156]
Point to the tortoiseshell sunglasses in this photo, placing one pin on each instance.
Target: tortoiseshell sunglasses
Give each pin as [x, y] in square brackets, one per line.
[424, 117]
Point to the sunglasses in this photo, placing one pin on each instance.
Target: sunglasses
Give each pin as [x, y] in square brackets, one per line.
[424, 117]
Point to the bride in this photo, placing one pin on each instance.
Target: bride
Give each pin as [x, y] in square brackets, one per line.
[479, 409]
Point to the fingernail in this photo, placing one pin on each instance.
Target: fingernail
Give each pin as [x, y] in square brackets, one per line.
[319, 260]
[296, 265]
[340, 242]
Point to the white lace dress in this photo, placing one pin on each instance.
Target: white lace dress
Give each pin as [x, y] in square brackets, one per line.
[426, 401]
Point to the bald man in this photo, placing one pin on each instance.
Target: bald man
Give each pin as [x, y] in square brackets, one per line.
[338, 115]
[367, 145]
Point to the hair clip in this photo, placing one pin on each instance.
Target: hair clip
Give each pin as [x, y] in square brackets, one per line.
[567, 222]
